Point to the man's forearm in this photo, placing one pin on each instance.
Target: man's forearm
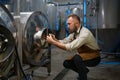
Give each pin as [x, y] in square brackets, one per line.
[60, 45]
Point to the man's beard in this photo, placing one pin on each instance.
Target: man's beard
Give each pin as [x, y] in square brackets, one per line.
[72, 30]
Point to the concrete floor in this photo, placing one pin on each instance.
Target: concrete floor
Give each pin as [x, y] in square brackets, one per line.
[104, 71]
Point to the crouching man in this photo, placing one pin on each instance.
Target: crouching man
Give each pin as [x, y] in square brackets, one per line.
[82, 40]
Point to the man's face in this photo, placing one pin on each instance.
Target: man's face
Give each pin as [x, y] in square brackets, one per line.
[71, 25]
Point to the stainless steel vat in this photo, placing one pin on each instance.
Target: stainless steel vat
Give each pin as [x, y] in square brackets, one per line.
[108, 14]
[7, 40]
[52, 15]
[34, 52]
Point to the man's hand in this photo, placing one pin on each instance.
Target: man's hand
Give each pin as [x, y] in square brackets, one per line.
[50, 38]
[53, 36]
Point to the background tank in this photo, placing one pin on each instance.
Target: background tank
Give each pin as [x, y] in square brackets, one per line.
[51, 13]
[108, 13]
[78, 12]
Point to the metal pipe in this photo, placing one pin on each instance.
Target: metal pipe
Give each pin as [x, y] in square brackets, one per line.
[19, 29]
[66, 4]
[85, 13]
[19, 33]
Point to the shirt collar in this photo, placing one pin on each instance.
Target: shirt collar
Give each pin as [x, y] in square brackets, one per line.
[78, 31]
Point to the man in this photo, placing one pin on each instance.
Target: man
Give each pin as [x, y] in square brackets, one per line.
[82, 40]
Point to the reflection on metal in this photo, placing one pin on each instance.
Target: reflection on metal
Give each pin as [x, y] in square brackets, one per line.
[108, 13]
[36, 50]
[78, 11]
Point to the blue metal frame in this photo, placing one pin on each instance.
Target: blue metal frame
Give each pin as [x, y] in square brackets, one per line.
[110, 62]
[85, 13]
[66, 25]
[57, 22]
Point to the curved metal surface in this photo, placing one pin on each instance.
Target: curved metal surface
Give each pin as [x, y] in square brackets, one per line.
[7, 31]
[6, 65]
[7, 20]
[7, 46]
[108, 14]
[51, 12]
[34, 48]
[78, 11]
[7, 43]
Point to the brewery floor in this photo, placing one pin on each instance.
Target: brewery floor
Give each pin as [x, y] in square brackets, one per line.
[108, 69]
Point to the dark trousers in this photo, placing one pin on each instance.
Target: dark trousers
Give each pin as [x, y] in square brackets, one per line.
[79, 66]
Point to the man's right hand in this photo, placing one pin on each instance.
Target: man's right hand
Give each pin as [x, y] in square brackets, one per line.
[53, 36]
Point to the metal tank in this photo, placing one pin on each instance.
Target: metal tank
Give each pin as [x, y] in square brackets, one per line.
[108, 13]
[108, 32]
[39, 5]
[77, 11]
[7, 40]
[7, 19]
[30, 6]
[51, 14]
[36, 51]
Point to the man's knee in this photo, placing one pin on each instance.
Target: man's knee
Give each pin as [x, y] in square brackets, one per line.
[65, 64]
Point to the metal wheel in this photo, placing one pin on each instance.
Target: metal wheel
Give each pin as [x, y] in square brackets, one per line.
[36, 50]
[7, 42]
[7, 46]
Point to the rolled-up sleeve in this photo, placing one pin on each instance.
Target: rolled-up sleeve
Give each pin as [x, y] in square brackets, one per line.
[76, 43]
[67, 39]
[81, 39]
[85, 37]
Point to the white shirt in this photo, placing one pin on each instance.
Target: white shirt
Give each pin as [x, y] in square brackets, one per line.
[83, 37]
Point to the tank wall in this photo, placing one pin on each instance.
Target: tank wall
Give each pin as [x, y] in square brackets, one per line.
[30, 6]
[108, 13]
[51, 14]
[78, 11]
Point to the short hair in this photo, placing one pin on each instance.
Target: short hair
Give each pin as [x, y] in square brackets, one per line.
[74, 16]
